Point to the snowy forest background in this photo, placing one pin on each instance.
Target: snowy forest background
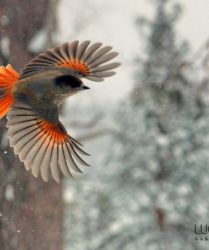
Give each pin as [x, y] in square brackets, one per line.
[148, 137]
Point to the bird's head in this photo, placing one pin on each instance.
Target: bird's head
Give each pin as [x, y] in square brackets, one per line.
[67, 85]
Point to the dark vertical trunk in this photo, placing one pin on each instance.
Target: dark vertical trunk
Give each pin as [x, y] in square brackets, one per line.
[30, 210]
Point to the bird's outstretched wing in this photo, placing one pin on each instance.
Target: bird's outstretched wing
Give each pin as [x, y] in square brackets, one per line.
[83, 59]
[43, 145]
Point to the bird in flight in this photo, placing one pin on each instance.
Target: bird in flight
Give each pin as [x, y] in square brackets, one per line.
[31, 99]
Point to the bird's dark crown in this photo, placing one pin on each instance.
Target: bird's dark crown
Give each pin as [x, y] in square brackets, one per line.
[68, 81]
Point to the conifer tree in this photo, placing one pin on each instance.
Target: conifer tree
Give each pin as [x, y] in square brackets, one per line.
[154, 180]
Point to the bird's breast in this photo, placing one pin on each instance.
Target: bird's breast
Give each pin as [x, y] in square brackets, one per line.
[34, 91]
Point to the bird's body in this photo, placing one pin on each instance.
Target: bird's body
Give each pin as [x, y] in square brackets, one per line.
[31, 101]
[30, 87]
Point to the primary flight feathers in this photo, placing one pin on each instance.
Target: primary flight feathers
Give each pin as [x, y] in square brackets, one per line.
[31, 100]
[84, 59]
[42, 145]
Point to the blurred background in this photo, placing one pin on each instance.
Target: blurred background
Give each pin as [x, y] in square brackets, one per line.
[147, 129]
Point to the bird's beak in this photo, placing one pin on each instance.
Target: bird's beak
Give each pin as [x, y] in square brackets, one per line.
[84, 87]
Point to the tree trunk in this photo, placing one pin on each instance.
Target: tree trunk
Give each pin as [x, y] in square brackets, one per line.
[30, 210]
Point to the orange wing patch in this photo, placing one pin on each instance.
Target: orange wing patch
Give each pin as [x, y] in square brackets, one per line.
[75, 66]
[82, 59]
[53, 131]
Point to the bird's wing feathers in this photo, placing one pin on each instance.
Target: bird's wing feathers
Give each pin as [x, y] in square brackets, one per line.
[83, 59]
[42, 145]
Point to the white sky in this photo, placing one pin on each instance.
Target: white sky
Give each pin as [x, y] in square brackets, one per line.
[112, 22]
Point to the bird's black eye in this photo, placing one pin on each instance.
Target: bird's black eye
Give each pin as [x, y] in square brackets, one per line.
[68, 81]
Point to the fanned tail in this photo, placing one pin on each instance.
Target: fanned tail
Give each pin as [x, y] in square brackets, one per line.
[8, 77]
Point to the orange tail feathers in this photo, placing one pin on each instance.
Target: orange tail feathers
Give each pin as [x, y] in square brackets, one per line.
[8, 77]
